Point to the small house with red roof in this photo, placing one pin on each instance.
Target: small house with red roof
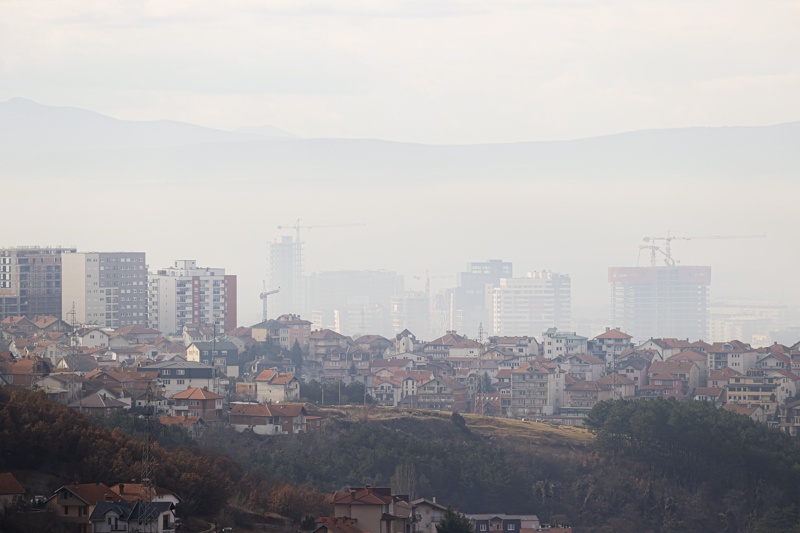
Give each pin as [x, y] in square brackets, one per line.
[269, 419]
[274, 386]
[11, 492]
[609, 345]
[74, 503]
[197, 402]
[375, 509]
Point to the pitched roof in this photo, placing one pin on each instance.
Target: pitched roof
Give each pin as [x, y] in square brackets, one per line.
[326, 334]
[613, 333]
[136, 491]
[688, 355]
[273, 377]
[197, 393]
[9, 484]
[99, 401]
[91, 493]
[673, 367]
[363, 496]
[724, 373]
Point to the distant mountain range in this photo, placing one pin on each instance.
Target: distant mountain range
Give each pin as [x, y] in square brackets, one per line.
[84, 144]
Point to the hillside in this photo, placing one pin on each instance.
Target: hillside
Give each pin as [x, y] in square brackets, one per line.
[658, 466]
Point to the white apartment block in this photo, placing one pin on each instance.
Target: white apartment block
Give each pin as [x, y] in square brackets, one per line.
[529, 305]
[108, 289]
[188, 294]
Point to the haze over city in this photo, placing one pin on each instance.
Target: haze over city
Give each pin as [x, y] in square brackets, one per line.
[708, 90]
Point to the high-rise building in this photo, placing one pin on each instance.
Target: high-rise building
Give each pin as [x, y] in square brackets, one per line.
[530, 305]
[411, 311]
[108, 289]
[188, 294]
[661, 301]
[286, 272]
[30, 280]
[469, 305]
[354, 301]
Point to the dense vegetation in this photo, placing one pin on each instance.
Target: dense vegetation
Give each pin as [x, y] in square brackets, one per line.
[653, 466]
[724, 472]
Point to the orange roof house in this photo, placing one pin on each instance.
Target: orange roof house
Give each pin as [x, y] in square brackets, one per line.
[274, 386]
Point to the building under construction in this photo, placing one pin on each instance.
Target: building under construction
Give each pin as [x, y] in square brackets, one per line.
[661, 301]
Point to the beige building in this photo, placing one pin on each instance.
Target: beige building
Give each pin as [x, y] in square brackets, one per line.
[536, 390]
[108, 289]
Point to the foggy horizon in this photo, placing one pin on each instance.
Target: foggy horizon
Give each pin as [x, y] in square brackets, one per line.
[553, 136]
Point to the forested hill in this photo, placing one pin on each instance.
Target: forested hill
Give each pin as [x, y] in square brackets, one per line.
[657, 466]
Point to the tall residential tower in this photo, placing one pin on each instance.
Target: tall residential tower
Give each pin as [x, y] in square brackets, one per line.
[188, 294]
[30, 280]
[661, 301]
[108, 289]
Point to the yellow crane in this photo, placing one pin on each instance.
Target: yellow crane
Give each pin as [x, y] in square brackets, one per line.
[667, 251]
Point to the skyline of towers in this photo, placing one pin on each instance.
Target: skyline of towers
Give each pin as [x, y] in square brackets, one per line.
[661, 301]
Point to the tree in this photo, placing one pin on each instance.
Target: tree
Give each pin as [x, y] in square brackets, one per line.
[296, 355]
[454, 522]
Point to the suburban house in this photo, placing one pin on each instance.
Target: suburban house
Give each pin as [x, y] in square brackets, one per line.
[92, 337]
[536, 390]
[269, 419]
[177, 375]
[427, 513]
[11, 492]
[136, 515]
[441, 394]
[98, 404]
[74, 503]
[325, 341]
[274, 386]
[557, 344]
[375, 509]
[197, 402]
[503, 523]
[136, 491]
[609, 346]
[223, 355]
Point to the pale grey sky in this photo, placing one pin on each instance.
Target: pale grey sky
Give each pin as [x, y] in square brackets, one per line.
[446, 71]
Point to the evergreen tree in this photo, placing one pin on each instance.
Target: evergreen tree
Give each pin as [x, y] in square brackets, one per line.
[296, 355]
[454, 522]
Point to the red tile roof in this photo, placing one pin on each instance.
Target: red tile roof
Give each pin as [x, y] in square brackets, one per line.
[363, 496]
[196, 393]
[274, 377]
[10, 485]
[614, 334]
[91, 493]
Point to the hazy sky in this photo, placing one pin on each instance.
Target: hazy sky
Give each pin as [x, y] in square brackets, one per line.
[443, 71]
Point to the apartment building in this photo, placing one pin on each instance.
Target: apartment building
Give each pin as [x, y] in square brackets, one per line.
[108, 289]
[528, 305]
[188, 294]
[30, 281]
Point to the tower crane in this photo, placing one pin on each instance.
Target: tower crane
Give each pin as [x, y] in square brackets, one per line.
[667, 252]
[297, 227]
[427, 277]
[264, 295]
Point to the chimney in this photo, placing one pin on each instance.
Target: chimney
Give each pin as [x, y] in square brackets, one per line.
[352, 495]
[121, 488]
[434, 498]
[369, 489]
